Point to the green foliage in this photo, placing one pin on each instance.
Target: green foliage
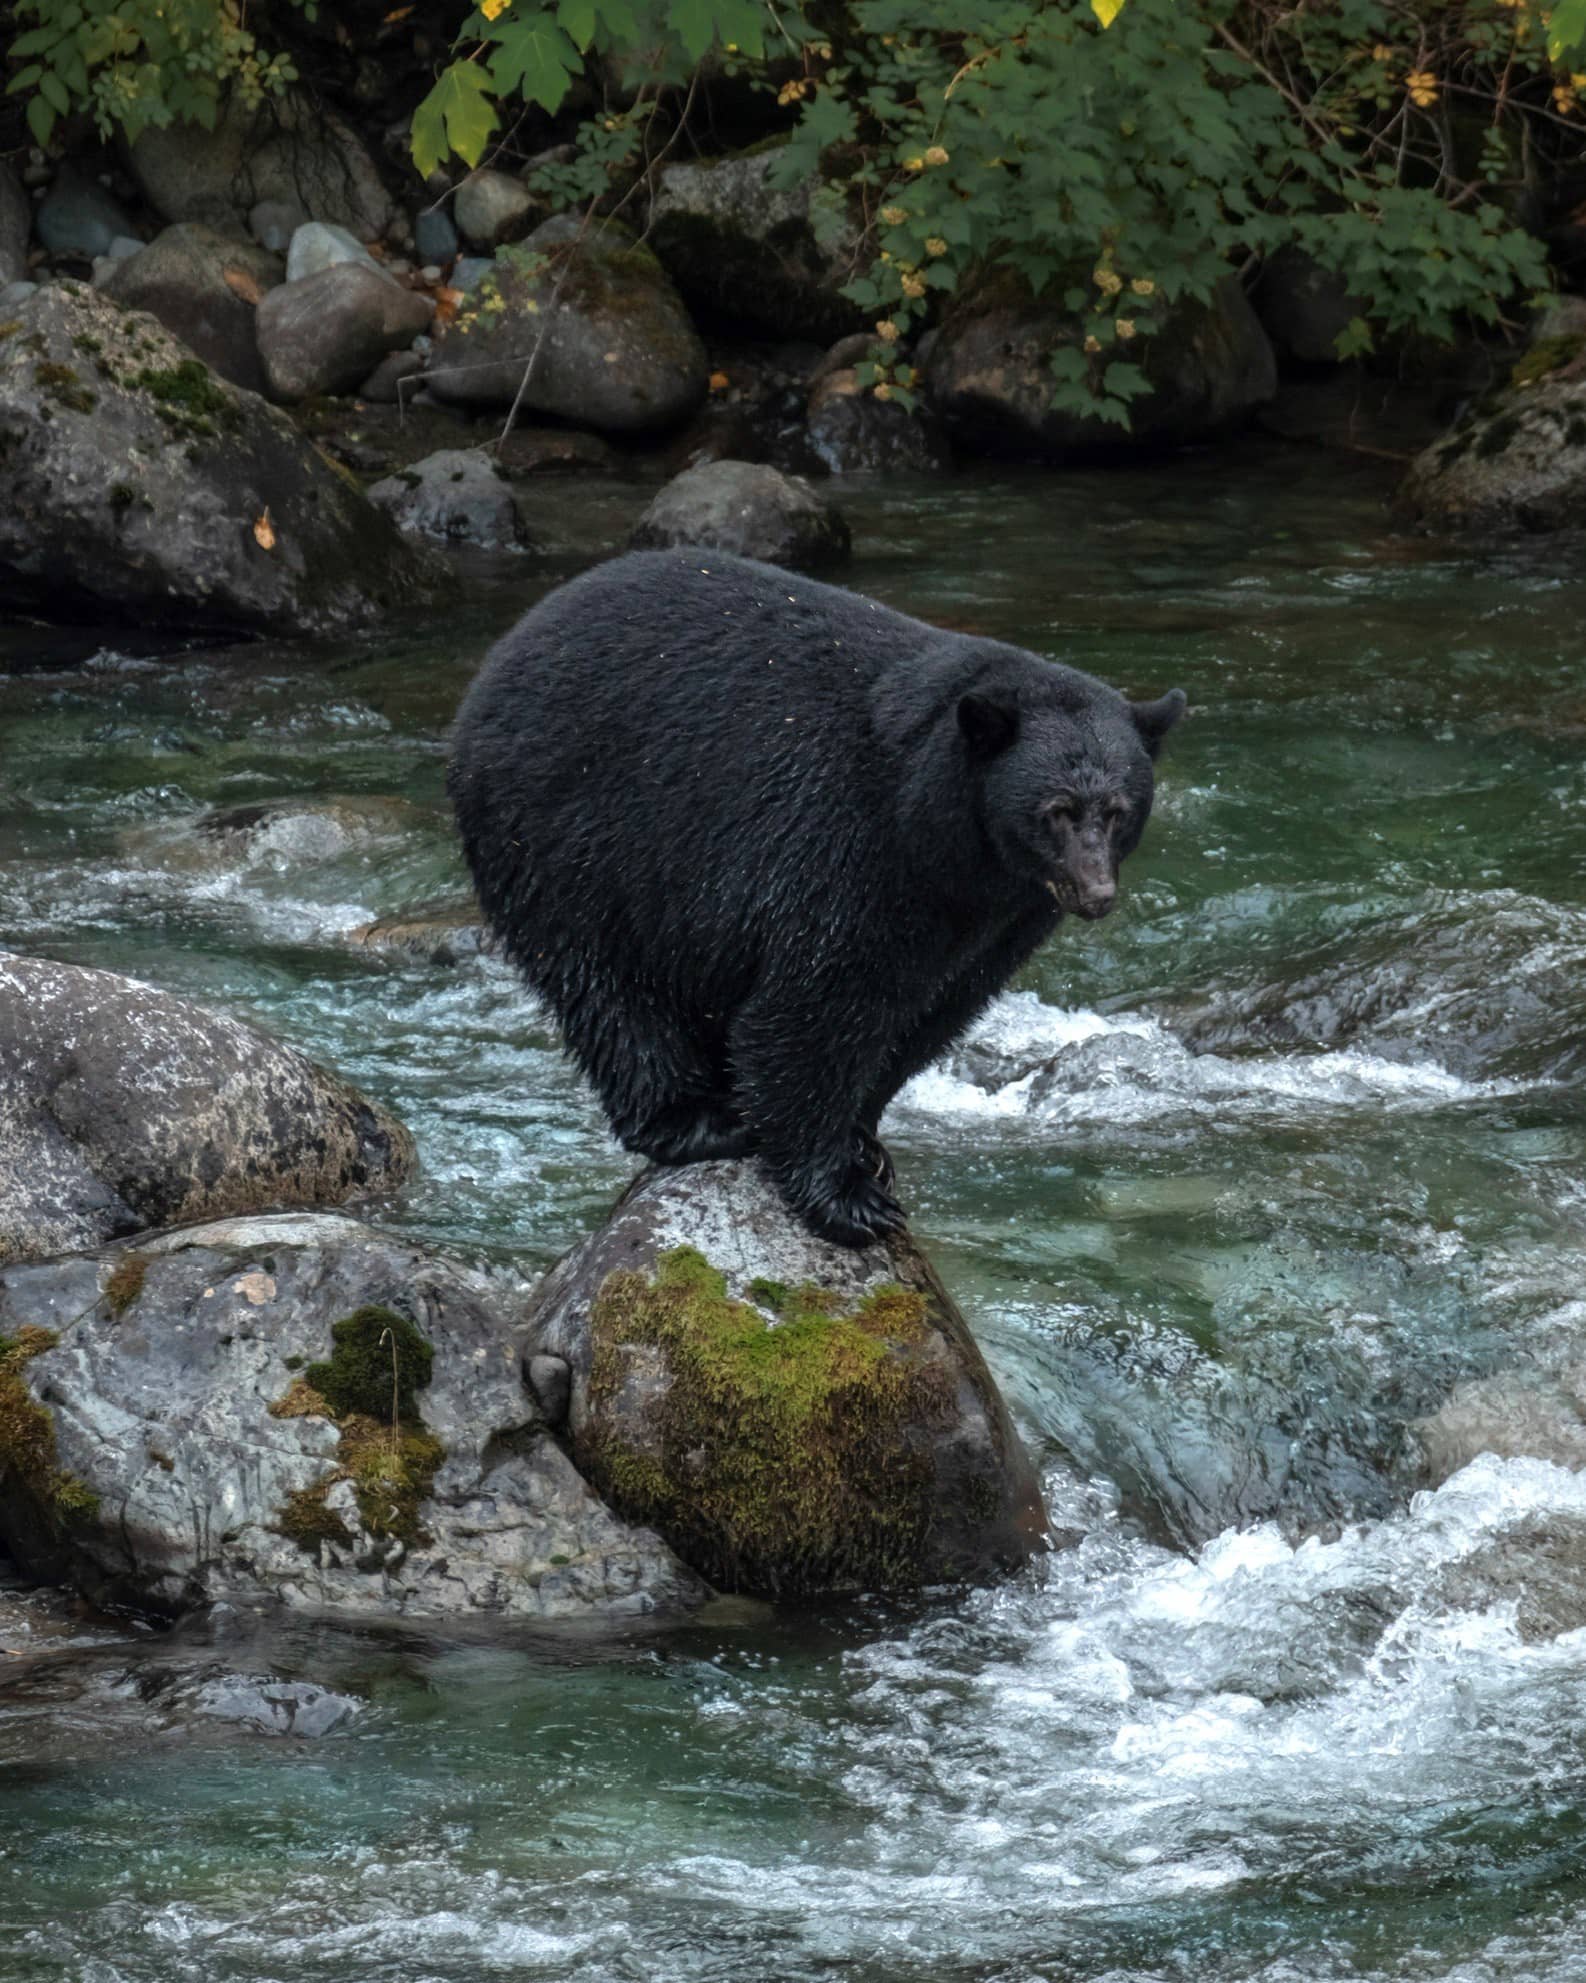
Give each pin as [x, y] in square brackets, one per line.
[139, 63]
[379, 1360]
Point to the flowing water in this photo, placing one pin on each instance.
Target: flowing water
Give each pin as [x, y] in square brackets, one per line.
[1236, 1188]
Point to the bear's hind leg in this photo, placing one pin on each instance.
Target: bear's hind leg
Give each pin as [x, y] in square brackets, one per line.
[666, 1097]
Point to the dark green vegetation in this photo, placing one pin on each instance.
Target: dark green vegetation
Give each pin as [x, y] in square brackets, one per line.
[28, 1463]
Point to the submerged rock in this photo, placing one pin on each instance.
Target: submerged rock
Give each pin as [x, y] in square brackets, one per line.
[749, 508]
[140, 484]
[122, 1107]
[611, 344]
[205, 287]
[794, 1417]
[990, 372]
[297, 1411]
[442, 933]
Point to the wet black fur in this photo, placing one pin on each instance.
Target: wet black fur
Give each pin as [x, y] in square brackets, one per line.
[766, 848]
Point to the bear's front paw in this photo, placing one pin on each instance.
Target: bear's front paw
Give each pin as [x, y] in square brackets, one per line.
[859, 1213]
[872, 1155]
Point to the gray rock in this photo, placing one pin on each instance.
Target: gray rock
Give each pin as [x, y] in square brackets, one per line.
[315, 246]
[434, 236]
[429, 933]
[289, 150]
[122, 1107]
[272, 223]
[471, 271]
[749, 508]
[1209, 367]
[204, 287]
[1304, 308]
[15, 293]
[163, 1412]
[551, 1381]
[286, 834]
[492, 208]
[753, 255]
[1518, 460]
[555, 450]
[457, 494]
[384, 384]
[323, 334]
[16, 224]
[898, 1465]
[77, 217]
[123, 246]
[1535, 1413]
[610, 343]
[139, 484]
[851, 432]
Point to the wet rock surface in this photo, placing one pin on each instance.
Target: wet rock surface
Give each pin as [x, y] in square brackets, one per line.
[140, 484]
[746, 507]
[192, 1456]
[122, 1107]
[457, 495]
[796, 1418]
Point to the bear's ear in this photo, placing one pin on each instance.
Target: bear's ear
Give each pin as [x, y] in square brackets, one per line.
[989, 724]
[1154, 719]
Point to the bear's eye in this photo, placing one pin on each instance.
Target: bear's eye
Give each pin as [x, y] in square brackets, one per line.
[1065, 807]
[1115, 812]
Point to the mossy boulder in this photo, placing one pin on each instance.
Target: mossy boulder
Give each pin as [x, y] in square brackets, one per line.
[123, 1108]
[611, 344]
[989, 369]
[298, 1411]
[139, 485]
[796, 1419]
[1517, 460]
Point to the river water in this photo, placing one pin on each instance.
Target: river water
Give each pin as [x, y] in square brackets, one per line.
[1235, 1189]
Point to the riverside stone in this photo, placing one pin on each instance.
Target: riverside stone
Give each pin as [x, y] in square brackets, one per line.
[324, 333]
[749, 508]
[138, 483]
[204, 286]
[492, 208]
[78, 217]
[458, 495]
[122, 1107]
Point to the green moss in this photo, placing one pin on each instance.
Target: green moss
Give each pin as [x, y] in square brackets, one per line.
[1547, 355]
[376, 1351]
[125, 1281]
[309, 1523]
[392, 1472]
[27, 1435]
[783, 1460]
[86, 341]
[769, 1294]
[63, 385]
[187, 399]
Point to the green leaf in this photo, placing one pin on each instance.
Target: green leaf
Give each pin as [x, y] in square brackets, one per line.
[1566, 30]
[577, 18]
[458, 116]
[536, 59]
[41, 120]
[53, 91]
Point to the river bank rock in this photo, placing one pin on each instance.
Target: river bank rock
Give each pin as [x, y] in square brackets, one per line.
[140, 485]
[491, 208]
[749, 508]
[297, 1411]
[1517, 462]
[458, 495]
[204, 286]
[611, 343]
[749, 254]
[852, 432]
[1210, 367]
[16, 224]
[795, 1418]
[326, 332]
[122, 1108]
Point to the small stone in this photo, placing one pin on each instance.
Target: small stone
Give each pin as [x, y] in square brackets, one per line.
[77, 217]
[430, 274]
[272, 223]
[325, 332]
[434, 236]
[470, 271]
[551, 1381]
[317, 245]
[383, 385]
[493, 208]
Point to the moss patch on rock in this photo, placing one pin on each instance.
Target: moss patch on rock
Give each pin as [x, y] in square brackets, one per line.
[124, 1283]
[367, 1389]
[27, 1435]
[779, 1457]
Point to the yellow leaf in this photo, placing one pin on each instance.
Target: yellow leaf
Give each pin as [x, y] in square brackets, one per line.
[1106, 11]
[264, 531]
[719, 382]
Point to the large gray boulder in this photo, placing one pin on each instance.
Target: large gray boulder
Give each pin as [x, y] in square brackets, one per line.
[288, 148]
[1517, 461]
[122, 1108]
[795, 1418]
[748, 253]
[457, 495]
[326, 333]
[748, 508]
[204, 286]
[611, 344]
[139, 484]
[298, 1411]
[16, 224]
[989, 372]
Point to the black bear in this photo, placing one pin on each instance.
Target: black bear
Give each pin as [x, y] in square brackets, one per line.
[766, 847]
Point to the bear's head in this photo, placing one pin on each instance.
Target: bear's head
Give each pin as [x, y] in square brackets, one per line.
[1063, 766]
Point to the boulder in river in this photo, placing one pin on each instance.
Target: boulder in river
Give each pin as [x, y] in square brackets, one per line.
[458, 495]
[122, 1108]
[298, 1411]
[851, 432]
[327, 332]
[748, 253]
[795, 1418]
[204, 286]
[990, 372]
[749, 508]
[611, 344]
[139, 484]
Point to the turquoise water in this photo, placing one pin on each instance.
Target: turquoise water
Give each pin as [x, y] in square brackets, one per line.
[1234, 1188]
